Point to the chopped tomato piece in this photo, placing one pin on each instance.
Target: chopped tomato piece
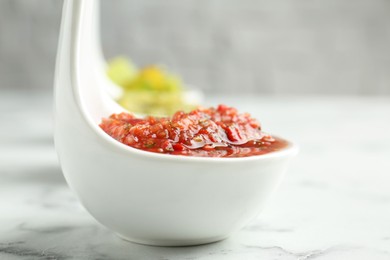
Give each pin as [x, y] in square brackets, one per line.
[212, 132]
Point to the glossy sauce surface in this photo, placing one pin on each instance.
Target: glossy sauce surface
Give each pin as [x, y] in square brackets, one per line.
[211, 132]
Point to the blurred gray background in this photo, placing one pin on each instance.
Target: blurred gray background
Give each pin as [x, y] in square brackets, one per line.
[339, 47]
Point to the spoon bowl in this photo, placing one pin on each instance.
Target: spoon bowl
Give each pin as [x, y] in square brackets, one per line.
[145, 197]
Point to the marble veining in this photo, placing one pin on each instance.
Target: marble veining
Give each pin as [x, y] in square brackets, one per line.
[333, 204]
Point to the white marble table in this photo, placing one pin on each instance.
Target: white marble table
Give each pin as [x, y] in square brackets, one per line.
[333, 204]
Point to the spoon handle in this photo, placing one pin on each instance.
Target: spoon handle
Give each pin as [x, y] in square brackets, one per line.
[80, 70]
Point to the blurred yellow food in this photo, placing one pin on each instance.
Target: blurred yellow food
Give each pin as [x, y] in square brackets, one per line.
[150, 90]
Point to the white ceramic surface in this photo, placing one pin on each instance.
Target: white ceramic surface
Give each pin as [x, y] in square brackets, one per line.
[145, 197]
[334, 203]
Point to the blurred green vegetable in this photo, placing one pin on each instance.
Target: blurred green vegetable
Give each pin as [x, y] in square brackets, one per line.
[150, 90]
[121, 71]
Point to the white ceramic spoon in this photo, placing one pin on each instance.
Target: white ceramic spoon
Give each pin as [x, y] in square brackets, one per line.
[145, 197]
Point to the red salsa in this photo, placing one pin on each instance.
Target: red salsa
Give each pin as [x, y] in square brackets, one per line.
[211, 132]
